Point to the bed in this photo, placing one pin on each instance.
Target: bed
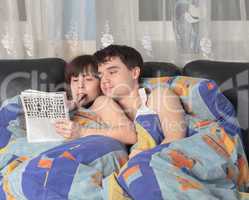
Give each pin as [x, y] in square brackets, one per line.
[21, 163]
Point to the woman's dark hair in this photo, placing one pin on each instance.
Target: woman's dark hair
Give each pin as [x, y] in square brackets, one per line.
[128, 55]
[85, 64]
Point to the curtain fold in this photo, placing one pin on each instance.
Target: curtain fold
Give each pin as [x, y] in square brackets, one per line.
[162, 30]
[181, 31]
[45, 28]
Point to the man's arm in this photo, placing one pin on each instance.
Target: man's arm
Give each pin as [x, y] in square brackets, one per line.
[171, 113]
[119, 126]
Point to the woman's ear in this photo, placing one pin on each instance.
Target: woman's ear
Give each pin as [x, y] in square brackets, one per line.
[136, 72]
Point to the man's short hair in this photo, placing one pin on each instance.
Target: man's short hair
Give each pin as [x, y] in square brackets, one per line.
[128, 55]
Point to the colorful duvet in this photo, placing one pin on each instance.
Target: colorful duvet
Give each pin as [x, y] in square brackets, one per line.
[208, 164]
[69, 170]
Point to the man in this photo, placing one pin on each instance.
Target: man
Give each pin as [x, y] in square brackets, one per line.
[119, 69]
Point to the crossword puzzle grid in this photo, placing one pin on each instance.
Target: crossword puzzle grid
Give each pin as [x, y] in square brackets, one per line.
[45, 107]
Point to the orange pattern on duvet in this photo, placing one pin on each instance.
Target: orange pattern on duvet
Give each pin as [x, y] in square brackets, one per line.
[187, 184]
[180, 160]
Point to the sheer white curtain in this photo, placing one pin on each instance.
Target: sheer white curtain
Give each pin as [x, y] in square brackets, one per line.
[162, 30]
[177, 30]
[45, 28]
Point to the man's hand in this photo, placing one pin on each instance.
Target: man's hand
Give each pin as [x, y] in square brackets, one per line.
[68, 129]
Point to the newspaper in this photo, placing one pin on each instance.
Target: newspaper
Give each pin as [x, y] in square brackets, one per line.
[41, 109]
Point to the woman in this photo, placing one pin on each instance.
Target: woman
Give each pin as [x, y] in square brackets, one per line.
[86, 98]
[75, 168]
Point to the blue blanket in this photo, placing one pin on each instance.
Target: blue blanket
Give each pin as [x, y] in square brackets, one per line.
[209, 163]
[66, 170]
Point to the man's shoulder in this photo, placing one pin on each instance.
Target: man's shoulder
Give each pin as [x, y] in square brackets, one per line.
[103, 103]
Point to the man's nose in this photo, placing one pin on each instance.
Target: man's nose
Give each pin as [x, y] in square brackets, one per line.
[105, 78]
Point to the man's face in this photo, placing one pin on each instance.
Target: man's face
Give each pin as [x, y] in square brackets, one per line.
[117, 80]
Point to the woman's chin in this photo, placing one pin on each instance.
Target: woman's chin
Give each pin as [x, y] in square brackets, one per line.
[88, 104]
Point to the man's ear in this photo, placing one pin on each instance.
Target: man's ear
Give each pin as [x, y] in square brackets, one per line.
[136, 72]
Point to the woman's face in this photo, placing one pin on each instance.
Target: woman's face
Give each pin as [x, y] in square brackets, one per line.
[85, 88]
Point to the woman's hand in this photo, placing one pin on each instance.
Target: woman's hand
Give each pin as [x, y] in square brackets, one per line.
[68, 129]
[77, 101]
[71, 104]
[80, 100]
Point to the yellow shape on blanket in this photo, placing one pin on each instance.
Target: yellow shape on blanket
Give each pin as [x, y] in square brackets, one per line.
[6, 189]
[115, 192]
[144, 139]
[15, 163]
[213, 130]
[159, 80]
[182, 85]
[3, 150]
[229, 144]
[216, 145]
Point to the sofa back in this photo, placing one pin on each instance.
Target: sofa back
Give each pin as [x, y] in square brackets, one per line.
[39, 74]
[159, 69]
[232, 78]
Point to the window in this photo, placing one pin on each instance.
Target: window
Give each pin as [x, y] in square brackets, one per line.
[156, 10]
[21, 6]
[160, 10]
[247, 9]
[220, 10]
[157, 15]
[79, 19]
